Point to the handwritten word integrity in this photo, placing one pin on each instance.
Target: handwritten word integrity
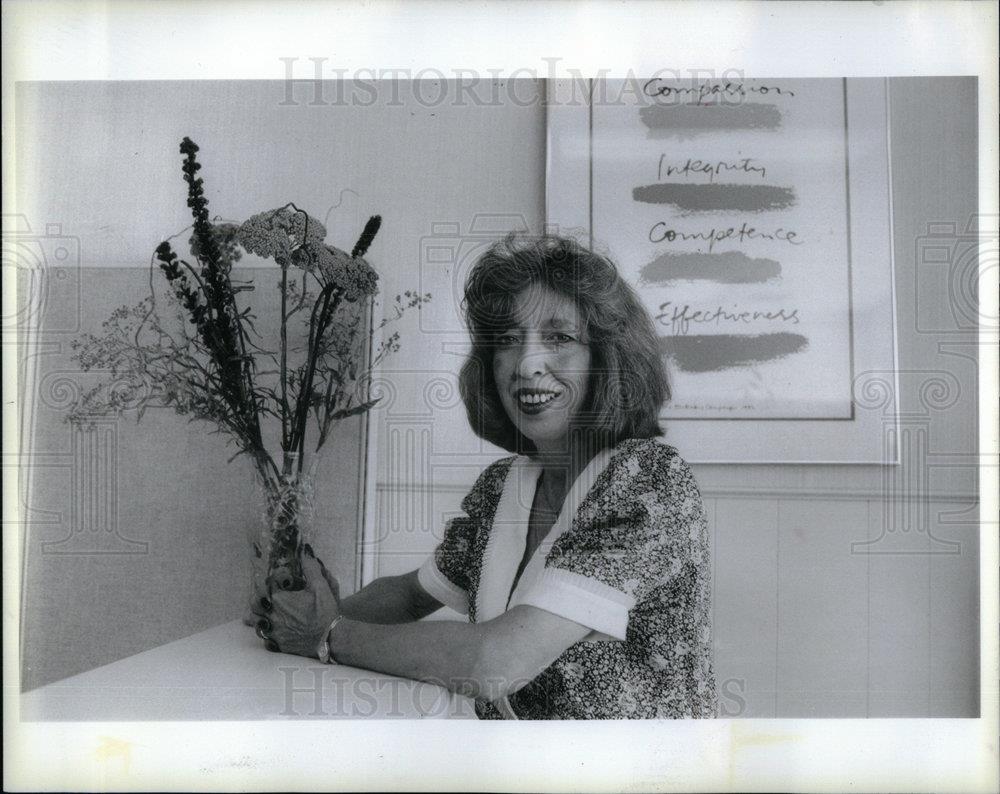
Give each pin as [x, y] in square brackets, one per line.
[705, 167]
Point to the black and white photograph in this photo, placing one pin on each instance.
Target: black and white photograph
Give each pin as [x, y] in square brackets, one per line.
[362, 400]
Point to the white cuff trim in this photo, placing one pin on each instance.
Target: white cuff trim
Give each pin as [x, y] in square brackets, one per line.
[581, 599]
[441, 587]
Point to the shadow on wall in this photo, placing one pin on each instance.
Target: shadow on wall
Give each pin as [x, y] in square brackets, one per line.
[137, 534]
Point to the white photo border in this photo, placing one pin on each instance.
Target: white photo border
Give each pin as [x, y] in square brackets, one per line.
[174, 40]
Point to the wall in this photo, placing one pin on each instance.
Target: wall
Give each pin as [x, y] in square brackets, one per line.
[839, 591]
[152, 516]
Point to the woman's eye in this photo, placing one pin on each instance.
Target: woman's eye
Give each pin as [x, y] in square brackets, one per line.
[559, 338]
[506, 340]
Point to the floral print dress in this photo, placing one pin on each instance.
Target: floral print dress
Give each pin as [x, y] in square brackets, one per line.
[628, 557]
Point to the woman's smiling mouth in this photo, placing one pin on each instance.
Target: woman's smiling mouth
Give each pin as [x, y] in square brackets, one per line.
[534, 400]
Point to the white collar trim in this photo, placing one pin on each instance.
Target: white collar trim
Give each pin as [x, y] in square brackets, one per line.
[505, 546]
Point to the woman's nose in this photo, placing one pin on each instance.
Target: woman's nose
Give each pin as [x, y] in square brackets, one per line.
[532, 361]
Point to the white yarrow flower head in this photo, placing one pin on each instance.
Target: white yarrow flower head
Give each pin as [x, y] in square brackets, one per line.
[353, 276]
[279, 233]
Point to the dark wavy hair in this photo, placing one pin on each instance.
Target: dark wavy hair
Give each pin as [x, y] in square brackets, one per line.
[628, 382]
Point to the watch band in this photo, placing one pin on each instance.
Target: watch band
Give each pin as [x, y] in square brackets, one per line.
[324, 652]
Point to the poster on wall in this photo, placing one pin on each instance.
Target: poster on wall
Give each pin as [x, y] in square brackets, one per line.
[753, 218]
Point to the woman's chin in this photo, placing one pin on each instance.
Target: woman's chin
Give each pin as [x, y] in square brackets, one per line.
[544, 438]
[544, 426]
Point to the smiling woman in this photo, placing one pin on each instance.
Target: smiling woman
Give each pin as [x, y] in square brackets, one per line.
[541, 367]
[582, 558]
[587, 323]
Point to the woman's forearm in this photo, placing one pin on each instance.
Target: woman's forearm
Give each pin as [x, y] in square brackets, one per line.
[391, 599]
[443, 652]
[481, 660]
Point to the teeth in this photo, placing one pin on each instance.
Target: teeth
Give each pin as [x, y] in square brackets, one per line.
[536, 399]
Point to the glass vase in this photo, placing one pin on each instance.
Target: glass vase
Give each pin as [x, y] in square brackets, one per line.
[284, 528]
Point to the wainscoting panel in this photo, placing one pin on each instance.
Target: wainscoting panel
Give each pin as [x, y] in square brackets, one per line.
[745, 606]
[954, 621]
[821, 607]
[898, 625]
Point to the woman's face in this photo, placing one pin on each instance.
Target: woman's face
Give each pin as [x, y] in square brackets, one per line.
[541, 366]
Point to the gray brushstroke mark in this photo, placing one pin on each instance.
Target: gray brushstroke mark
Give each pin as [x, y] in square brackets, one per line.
[730, 267]
[686, 121]
[716, 197]
[703, 353]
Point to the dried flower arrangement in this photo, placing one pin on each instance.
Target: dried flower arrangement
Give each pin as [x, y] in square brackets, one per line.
[205, 358]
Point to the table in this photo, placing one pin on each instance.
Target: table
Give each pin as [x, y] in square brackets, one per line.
[225, 673]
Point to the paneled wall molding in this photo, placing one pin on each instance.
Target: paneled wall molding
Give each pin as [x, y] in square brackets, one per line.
[726, 492]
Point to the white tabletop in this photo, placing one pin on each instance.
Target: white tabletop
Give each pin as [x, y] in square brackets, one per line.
[225, 673]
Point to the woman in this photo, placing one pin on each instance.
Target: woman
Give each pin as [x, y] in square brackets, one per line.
[582, 558]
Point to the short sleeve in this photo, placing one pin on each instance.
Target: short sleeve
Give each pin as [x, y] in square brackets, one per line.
[643, 527]
[445, 574]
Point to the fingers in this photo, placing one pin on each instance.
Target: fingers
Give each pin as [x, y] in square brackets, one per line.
[255, 608]
[332, 582]
[314, 568]
[260, 602]
[311, 567]
[262, 628]
[324, 569]
[281, 578]
[259, 583]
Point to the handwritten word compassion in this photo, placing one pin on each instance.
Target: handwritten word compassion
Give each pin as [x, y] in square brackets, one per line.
[710, 92]
[660, 233]
[679, 318]
[704, 167]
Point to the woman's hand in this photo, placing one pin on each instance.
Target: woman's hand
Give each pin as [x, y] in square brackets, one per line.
[295, 621]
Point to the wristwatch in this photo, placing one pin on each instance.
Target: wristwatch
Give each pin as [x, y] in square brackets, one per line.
[323, 650]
